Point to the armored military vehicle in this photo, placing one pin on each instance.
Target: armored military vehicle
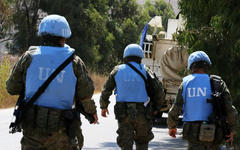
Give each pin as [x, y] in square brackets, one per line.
[166, 59]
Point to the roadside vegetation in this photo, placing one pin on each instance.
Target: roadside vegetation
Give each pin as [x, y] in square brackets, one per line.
[6, 64]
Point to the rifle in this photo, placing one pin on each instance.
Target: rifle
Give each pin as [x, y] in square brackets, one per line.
[218, 117]
[15, 125]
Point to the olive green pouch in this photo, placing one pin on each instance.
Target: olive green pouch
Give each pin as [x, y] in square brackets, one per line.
[207, 132]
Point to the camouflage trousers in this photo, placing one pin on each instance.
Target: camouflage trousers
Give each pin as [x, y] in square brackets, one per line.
[136, 129]
[54, 141]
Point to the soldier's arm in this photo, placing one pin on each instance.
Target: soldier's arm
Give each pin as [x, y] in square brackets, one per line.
[109, 85]
[15, 83]
[84, 86]
[176, 110]
[231, 112]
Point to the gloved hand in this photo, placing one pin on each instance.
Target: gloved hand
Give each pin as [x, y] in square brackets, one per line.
[172, 132]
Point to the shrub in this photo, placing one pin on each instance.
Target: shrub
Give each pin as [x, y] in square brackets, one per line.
[6, 63]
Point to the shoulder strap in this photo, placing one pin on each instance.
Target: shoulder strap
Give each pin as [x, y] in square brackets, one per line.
[42, 88]
[136, 70]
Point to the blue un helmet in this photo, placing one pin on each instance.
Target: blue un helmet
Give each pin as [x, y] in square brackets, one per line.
[133, 50]
[198, 56]
[54, 25]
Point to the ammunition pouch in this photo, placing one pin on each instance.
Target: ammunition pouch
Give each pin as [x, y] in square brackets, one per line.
[207, 132]
[132, 109]
[44, 121]
[120, 110]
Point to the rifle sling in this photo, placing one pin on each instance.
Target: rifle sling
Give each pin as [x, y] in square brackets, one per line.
[42, 88]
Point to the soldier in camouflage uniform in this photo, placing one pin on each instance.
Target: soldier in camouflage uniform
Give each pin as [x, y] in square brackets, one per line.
[131, 110]
[191, 100]
[51, 123]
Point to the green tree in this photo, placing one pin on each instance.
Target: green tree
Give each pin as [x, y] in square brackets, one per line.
[101, 29]
[25, 18]
[160, 8]
[6, 21]
[126, 21]
[87, 20]
[213, 26]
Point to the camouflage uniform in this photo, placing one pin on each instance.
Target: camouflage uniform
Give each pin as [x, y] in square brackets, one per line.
[191, 129]
[45, 128]
[134, 119]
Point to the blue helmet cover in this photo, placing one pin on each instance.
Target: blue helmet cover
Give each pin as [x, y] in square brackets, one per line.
[54, 25]
[198, 56]
[133, 50]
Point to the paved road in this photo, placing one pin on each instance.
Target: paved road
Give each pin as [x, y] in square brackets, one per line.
[103, 136]
[97, 137]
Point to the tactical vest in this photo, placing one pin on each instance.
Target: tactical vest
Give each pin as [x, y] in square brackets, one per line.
[60, 93]
[196, 91]
[130, 87]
